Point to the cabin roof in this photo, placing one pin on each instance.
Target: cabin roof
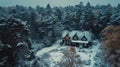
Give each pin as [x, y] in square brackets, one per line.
[65, 33]
[72, 33]
[80, 34]
[88, 35]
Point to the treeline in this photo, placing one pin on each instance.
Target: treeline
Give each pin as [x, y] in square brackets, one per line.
[46, 24]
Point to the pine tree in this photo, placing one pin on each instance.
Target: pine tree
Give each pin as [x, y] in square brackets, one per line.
[14, 33]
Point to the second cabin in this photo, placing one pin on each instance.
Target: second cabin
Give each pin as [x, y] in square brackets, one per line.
[82, 39]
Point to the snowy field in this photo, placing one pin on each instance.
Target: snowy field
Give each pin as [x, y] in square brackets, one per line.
[55, 54]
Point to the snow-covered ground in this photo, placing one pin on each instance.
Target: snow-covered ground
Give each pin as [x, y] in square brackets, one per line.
[54, 54]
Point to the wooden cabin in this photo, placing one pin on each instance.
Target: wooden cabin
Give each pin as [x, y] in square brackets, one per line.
[77, 38]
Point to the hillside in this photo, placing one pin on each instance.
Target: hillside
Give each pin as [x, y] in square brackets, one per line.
[32, 36]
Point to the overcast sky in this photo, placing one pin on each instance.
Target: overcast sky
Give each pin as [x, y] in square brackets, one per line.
[62, 3]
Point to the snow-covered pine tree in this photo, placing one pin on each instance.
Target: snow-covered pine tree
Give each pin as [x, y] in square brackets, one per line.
[14, 32]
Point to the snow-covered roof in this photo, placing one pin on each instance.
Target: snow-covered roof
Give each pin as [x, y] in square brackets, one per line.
[88, 35]
[80, 34]
[78, 41]
[72, 33]
[65, 32]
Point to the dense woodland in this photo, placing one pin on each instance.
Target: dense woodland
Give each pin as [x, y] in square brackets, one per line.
[20, 26]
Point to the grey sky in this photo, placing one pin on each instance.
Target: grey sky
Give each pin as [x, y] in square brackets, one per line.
[43, 3]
